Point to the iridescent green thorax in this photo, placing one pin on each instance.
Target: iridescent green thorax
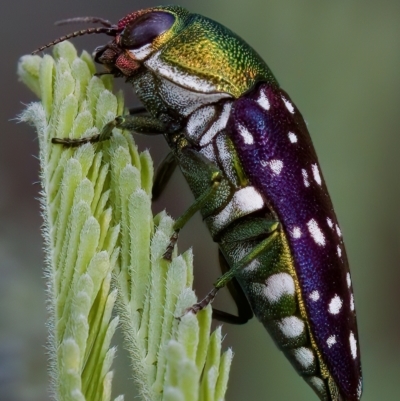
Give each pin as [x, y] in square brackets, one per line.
[210, 51]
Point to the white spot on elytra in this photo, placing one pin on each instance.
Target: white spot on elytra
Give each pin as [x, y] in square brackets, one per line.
[330, 222]
[316, 232]
[263, 101]
[278, 285]
[291, 327]
[314, 296]
[288, 105]
[292, 137]
[348, 279]
[246, 134]
[353, 345]
[335, 305]
[276, 166]
[305, 178]
[339, 251]
[317, 176]
[352, 302]
[331, 341]
[339, 233]
[304, 356]
[296, 232]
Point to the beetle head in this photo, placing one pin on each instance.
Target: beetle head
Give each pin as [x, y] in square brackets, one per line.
[136, 37]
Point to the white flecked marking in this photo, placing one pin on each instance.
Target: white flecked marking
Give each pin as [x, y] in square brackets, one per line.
[292, 137]
[352, 302]
[209, 152]
[353, 345]
[305, 178]
[330, 222]
[316, 233]
[180, 98]
[288, 105]
[339, 233]
[224, 153]
[276, 166]
[263, 101]
[335, 305]
[142, 52]
[348, 279]
[317, 176]
[248, 199]
[199, 120]
[359, 388]
[304, 356]
[246, 134]
[253, 265]
[296, 232]
[331, 341]
[243, 202]
[291, 326]
[339, 251]
[179, 76]
[314, 296]
[318, 384]
[278, 285]
[217, 126]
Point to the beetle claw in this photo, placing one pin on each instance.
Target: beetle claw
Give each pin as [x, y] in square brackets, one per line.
[197, 307]
[170, 248]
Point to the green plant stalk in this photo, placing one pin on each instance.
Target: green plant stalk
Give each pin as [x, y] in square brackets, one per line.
[104, 246]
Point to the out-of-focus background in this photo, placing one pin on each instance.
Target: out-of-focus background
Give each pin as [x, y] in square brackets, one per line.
[340, 62]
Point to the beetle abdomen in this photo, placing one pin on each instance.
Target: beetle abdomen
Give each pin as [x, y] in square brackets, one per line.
[278, 157]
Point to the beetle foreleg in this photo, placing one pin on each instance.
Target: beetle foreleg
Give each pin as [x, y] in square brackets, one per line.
[140, 124]
[134, 123]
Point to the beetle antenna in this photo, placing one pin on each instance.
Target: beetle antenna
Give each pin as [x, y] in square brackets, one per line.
[92, 20]
[108, 31]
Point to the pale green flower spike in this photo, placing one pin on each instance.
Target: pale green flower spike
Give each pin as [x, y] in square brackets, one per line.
[96, 203]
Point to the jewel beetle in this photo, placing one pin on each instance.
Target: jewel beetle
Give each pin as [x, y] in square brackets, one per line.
[246, 153]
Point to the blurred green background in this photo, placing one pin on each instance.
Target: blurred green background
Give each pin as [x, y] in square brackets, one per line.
[340, 62]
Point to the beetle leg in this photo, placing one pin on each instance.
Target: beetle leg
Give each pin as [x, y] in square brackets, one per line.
[137, 110]
[134, 123]
[249, 229]
[230, 274]
[193, 208]
[163, 174]
[244, 310]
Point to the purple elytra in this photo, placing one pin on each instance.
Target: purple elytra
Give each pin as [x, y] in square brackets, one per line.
[276, 152]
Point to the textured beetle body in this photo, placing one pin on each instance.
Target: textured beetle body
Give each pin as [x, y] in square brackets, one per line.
[223, 111]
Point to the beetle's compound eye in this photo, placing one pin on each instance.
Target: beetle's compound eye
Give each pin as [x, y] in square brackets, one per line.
[145, 29]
